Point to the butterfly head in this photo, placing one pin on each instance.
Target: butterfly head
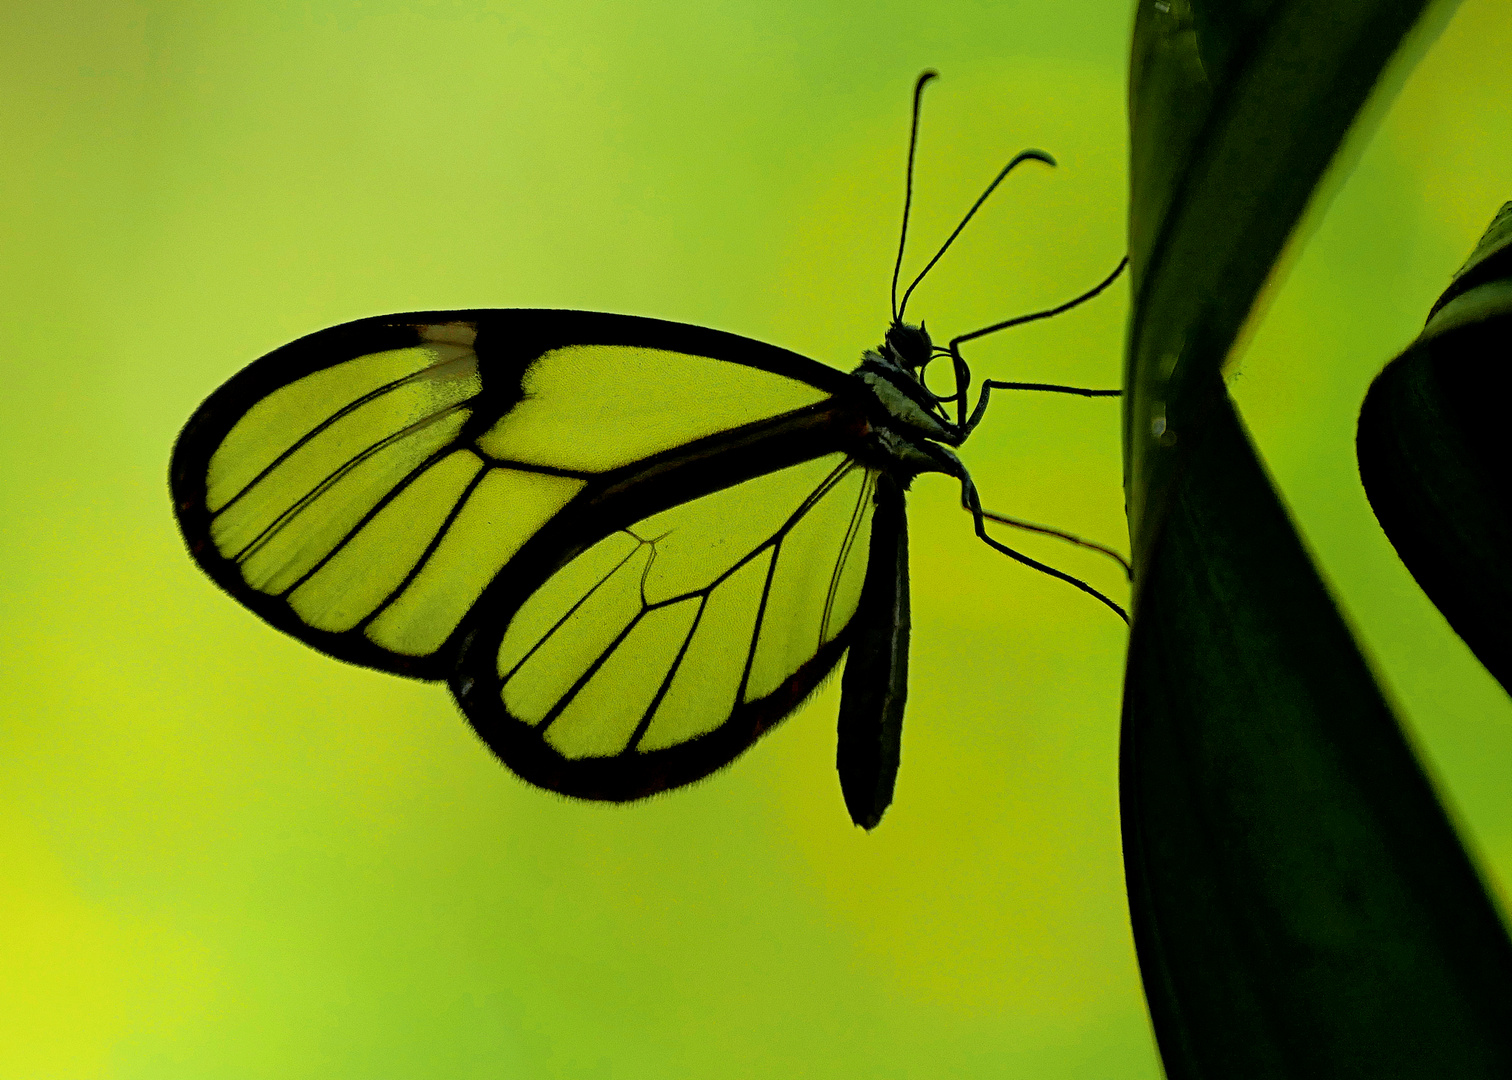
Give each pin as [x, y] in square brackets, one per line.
[909, 348]
[908, 345]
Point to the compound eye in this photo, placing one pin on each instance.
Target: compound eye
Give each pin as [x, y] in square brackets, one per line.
[910, 343]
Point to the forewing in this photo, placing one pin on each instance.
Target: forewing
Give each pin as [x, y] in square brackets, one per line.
[361, 487]
[658, 654]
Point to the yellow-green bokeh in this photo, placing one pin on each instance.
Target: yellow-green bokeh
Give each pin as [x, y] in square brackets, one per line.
[227, 856]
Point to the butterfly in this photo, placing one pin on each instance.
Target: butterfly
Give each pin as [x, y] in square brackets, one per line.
[630, 546]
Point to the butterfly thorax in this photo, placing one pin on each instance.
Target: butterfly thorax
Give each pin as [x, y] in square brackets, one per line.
[909, 430]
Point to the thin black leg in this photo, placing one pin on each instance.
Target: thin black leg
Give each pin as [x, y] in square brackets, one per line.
[1072, 538]
[974, 503]
[1055, 388]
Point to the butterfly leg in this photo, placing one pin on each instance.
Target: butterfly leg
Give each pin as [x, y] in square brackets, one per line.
[945, 461]
[972, 501]
[1071, 538]
[993, 384]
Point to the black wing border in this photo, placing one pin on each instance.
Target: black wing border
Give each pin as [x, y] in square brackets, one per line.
[508, 341]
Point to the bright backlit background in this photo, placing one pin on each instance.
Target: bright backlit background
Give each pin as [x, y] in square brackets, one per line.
[226, 856]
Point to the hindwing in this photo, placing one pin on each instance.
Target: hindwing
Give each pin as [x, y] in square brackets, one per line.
[660, 652]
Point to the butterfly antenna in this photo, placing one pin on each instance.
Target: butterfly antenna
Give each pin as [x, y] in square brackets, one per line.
[1036, 315]
[913, 142]
[1018, 159]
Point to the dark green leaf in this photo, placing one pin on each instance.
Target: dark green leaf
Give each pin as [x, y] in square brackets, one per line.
[1301, 906]
[1220, 172]
[1434, 455]
[1300, 903]
[1490, 261]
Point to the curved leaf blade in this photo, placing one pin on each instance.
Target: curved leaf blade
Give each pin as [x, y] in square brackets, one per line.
[1235, 112]
[1301, 905]
[1433, 456]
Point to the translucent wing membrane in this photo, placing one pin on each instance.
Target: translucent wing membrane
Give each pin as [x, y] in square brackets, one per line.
[593, 408]
[661, 651]
[362, 487]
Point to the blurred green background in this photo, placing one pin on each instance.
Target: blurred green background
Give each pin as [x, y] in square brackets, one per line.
[226, 856]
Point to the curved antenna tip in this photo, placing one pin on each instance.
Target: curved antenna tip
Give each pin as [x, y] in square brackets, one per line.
[1018, 159]
[925, 76]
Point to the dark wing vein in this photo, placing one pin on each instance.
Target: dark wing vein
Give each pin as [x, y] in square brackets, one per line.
[392, 494]
[644, 723]
[283, 519]
[766, 590]
[776, 541]
[853, 530]
[570, 612]
[532, 467]
[346, 410]
[430, 548]
[589, 672]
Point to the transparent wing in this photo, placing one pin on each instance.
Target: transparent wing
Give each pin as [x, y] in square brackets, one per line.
[659, 653]
[361, 487]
